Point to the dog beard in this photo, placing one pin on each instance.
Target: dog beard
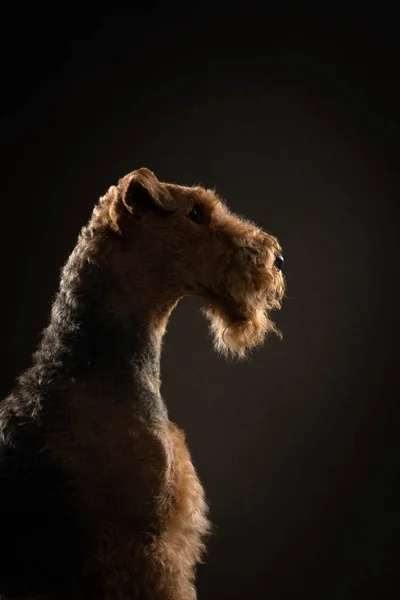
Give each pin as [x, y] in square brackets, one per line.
[240, 320]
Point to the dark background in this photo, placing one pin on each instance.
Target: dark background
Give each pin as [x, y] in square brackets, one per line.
[295, 120]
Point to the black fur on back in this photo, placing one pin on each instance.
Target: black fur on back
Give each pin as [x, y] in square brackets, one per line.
[41, 539]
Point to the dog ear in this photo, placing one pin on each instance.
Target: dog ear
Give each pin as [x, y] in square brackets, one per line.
[142, 187]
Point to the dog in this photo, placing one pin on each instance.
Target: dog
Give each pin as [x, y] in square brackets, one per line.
[99, 497]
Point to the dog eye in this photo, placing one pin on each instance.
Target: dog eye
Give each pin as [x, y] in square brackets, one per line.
[196, 215]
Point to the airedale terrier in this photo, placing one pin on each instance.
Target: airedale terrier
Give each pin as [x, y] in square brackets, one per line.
[99, 499]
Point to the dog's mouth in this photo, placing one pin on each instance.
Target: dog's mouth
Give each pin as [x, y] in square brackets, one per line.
[261, 290]
[242, 322]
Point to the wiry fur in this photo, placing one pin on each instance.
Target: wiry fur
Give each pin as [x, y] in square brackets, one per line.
[99, 499]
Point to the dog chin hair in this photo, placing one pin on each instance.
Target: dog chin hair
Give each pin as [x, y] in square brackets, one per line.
[235, 338]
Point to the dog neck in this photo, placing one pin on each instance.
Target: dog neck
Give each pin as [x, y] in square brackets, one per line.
[88, 343]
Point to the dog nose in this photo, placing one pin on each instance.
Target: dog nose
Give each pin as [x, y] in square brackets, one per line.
[278, 263]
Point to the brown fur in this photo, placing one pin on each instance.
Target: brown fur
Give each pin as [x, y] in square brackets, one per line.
[146, 526]
[132, 482]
